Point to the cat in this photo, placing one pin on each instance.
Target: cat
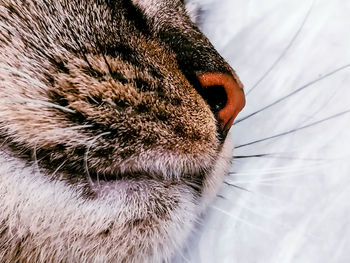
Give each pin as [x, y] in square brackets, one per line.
[114, 117]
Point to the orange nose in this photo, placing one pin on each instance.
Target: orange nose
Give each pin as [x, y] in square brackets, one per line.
[234, 93]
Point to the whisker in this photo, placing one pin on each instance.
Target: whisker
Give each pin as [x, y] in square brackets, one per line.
[295, 130]
[41, 102]
[22, 74]
[5, 139]
[276, 156]
[284, 52]
[260, 195]
[221, 197]
[322, 106]
[78, 127]
[278, 170]
[244, 206]
[236, 186]
[270, 179]
[183, 257]
[239, 219]
[87, 155]
[35, 157]
[251, 156]
[262, 215]
[59, 167]
[98, 180]
[256, 194]
[292, 186]
[294, 92]
[108, 66]
[52, 105]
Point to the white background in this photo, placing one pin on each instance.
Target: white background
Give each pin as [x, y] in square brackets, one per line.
[296, 202]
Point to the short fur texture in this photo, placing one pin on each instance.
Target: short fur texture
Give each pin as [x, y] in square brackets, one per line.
[109, 152]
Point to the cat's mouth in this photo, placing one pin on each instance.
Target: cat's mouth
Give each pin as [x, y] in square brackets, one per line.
[201, 185]
[102, 188]
[97, 185]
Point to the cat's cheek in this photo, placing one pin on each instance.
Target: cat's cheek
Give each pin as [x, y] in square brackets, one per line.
[215, 178]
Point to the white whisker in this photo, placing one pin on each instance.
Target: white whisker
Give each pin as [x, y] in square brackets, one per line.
[183, 257]
[37, 102]
[87, 155]
[278, 170]
[49, 104]
[239, 219]
[59, 167]
[264, 196]
[36, 164]
[26, 76]
[272, 178]
[78, 127]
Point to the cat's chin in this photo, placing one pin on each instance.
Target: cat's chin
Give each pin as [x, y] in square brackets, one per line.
[138, 220]
[129, 219]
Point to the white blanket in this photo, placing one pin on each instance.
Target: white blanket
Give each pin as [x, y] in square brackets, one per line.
[290, 203]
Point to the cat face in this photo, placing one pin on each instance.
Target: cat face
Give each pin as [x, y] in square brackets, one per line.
[109, 99]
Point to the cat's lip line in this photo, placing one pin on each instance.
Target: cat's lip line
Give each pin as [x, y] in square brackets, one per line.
[142, 175]
[192, 180]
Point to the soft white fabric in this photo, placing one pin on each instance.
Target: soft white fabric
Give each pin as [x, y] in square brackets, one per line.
[296, 204]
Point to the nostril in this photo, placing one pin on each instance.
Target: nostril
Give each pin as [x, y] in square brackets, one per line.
[215, 96]
[225, 96]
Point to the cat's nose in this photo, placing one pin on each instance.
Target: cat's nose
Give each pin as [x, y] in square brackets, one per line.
[225, 96]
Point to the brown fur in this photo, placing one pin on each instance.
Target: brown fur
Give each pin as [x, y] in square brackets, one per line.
[98, 96]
